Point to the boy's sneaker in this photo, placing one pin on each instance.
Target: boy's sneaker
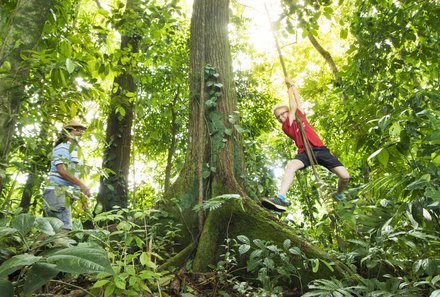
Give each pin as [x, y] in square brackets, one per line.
[275, 203]
[338, 197]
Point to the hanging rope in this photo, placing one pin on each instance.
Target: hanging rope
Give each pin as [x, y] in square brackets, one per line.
[305, 140]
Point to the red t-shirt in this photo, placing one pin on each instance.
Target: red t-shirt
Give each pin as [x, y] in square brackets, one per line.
[293, 132]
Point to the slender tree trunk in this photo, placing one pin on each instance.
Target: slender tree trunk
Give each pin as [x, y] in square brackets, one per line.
[23, 33]
[114, 188]
[28, 190]
[172, 148]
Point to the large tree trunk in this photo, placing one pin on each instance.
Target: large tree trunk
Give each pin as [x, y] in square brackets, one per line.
[114, 189]
[208, 45]
[24, 31]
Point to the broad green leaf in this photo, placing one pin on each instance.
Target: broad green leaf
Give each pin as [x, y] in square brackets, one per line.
[256, 253]
[243, 239]
[146, 261]
[295, 251]
[48, 225]
[273, 248]
[23, 223]
[80, 259]
[119, 282]
[259, 243]
[38, 275]
[436, 293]
[287, 243]
[17, 262]
[6, 288]
[244, 248]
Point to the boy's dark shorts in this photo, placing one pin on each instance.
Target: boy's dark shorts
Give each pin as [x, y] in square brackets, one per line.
[323, 157]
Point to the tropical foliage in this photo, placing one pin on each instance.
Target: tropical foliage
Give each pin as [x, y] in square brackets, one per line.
[369, 73]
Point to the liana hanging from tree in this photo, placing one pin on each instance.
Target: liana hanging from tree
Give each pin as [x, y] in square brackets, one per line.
[289, 116]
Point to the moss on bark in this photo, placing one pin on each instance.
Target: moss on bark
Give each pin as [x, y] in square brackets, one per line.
[254, 222]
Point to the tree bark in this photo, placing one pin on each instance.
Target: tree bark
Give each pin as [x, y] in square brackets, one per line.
[23, 33]
[208, 46]
[114, 188]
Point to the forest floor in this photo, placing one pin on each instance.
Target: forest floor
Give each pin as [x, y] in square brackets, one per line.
[192, 284]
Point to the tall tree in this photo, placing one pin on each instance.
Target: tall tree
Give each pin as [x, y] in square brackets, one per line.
[113, 188]
[23, 33]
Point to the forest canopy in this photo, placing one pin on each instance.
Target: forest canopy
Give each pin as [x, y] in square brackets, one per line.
[182, 144]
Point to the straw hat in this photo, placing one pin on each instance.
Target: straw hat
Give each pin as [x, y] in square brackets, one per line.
[74, 124]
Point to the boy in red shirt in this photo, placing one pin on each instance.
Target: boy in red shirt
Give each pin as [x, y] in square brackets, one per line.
[286, 116]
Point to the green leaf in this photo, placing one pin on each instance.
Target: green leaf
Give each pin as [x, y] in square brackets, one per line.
[23, 223]
[109, 290]
[101, 283]
[38, 275]
[269, 263]
[315, 265]
[70, 65]
[228, 131]
[432, 193]
[434, 136]
[259, 243]
[119, 282]
[436, 293]
[146, 261]
[17, 262]
[427, 215]
[421, 183]
[243, 239]
[6, 288]
[383, 157]
[244, 248]
[295, 251]
[81, 259]
[328, 265]
[48, 225]
[273, 248]
[374, 154]
[130, 94]
[287, 243]
[344, 33]
[148, 274]
[5, 231]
